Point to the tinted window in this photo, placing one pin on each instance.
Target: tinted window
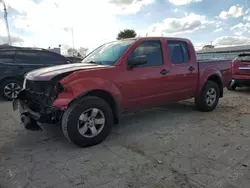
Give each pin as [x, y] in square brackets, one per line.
[59, 57]
[46, 56]
[178, 51]
[7, 56]
[29, 56]
[50, 57]
[150, 49]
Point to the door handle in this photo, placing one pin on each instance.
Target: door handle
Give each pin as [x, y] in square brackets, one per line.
[191, 69]
[164, 71]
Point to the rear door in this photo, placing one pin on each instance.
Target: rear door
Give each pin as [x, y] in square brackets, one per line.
[184, 69]
[7, 66]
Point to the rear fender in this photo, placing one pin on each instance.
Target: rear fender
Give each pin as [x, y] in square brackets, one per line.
[206, 75]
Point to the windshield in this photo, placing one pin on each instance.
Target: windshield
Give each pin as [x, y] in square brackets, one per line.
[109, 53]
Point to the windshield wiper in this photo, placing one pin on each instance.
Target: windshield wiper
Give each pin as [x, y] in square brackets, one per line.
[94, 62]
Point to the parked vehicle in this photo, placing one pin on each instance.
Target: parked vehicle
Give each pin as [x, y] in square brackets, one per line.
[75, 59]
[16, 61]
[87, 98]
[240, 71]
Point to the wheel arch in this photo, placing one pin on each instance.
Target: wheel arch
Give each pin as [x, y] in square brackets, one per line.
[217, 79]
[106, 96]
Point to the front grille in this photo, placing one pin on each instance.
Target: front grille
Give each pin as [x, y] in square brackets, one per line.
[39, 94]
[38, 86]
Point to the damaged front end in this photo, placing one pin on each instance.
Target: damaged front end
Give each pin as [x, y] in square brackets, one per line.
[35, 103]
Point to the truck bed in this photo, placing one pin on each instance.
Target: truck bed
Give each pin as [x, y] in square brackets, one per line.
[224, 66]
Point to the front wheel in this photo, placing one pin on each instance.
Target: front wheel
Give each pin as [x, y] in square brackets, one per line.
[209, 97]
[87, 122]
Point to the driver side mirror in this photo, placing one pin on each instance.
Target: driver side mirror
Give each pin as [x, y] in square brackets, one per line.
[136, 61]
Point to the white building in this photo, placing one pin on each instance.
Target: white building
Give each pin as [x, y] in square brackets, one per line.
[222, 53]
[57, 50]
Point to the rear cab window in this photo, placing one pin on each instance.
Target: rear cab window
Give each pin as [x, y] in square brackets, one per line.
[178, 51]
[152, 50]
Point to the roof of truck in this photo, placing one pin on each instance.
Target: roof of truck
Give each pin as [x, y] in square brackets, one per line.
[159, 37]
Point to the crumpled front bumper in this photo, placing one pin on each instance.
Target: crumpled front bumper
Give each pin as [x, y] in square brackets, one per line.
[29, 118]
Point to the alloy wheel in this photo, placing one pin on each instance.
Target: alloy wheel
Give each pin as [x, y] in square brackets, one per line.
[211, 96]
[91, 122]
[11, 90]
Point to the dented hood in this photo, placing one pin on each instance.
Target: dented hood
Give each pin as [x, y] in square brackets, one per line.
[48, 73]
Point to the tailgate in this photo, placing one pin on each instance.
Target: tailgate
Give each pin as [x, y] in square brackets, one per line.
[241, 64]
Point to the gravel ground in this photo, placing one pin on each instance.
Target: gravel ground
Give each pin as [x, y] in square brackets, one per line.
[170, 146]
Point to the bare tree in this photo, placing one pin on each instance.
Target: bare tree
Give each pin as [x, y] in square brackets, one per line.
[71, 51]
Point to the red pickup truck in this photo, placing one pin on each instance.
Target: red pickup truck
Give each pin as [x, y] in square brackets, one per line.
[87, 98]
[240, 71]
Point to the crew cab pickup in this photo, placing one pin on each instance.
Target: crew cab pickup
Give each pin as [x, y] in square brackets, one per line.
[240, 71]
[87, 98]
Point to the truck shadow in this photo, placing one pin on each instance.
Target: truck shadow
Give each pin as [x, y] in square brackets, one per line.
[133, 123]
[136, 121]
[243, 90]
[148, 121]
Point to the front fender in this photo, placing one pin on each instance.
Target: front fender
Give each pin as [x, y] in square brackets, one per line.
[78, 87]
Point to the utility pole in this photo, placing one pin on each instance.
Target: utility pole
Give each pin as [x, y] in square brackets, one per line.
[6, 21]
[73, 45]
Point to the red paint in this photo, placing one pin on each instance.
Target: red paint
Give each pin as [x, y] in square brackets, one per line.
[240, 74]
[143, 87]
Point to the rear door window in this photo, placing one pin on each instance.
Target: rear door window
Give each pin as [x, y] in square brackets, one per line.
[27, 57]
[178, 51]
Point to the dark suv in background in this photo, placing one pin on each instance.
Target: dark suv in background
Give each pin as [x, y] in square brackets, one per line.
[17, 61]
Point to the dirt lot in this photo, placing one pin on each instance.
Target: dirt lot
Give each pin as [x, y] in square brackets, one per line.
[171, 146]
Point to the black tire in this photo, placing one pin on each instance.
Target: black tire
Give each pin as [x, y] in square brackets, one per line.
[5, 83]
[201, 102]
[71, 116]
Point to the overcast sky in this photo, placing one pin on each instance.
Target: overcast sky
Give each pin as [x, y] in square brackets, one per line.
[44, 23]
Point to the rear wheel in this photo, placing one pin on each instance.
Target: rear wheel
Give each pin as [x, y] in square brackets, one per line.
[209, 97]
[10, 88]
[87, 122]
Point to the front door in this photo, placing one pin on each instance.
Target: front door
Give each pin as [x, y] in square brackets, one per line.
[145, 85]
